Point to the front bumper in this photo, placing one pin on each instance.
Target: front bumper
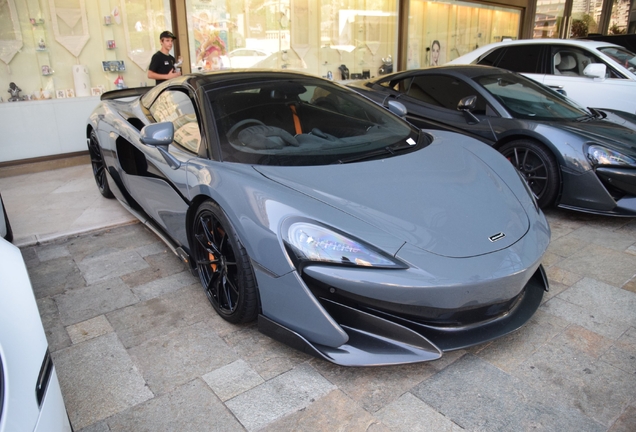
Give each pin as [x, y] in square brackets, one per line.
[379, 338]
[607, 191]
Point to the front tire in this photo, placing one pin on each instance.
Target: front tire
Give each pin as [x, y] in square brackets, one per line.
[538, 167]
[223, 265]
[99, 167]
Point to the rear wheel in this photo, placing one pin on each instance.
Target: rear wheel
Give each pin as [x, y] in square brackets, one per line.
[223, 265]
[99, 167]
[538, 167]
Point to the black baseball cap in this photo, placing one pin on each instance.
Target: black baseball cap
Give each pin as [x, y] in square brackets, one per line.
[167, 34]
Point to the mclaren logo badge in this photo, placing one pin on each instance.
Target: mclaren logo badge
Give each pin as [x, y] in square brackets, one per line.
[498, 236]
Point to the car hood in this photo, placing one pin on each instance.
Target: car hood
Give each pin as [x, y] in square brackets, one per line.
[442, 198]
[607, 133]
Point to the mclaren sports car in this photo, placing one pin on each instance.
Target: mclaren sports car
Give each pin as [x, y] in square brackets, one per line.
[344, 230]
[572, 157]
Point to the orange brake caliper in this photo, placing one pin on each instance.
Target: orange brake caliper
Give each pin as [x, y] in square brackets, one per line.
[211, 255]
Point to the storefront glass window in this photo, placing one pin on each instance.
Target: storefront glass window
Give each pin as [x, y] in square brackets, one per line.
[620, 17]
[341, 39]
[548, 18]
[585, 17]
[442, 31]
[72, 48]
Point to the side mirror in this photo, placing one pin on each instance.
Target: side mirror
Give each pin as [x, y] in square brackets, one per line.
[595, 70]
[160, 135]
[157, 134]
[467, 104]
[397, 108]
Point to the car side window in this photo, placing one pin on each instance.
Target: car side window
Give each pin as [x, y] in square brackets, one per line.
[490, 59]
[572, 61]
[177, 107]
[518, 58]
[401, 85]
[444, 91]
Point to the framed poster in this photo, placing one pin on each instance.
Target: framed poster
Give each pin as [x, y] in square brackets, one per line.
[113, 65]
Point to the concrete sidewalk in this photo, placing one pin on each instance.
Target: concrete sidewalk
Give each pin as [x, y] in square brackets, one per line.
[44, 206]
[137, 347]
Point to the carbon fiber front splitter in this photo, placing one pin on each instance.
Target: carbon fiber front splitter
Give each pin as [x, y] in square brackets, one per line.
[377, 338]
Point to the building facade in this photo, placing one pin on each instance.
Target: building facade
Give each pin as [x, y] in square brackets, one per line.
[60, 55]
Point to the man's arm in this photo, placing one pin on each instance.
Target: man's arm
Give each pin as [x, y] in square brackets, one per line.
[157, 76]
[156, 65]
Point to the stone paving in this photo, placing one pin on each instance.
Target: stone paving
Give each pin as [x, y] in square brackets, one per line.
[137, 347]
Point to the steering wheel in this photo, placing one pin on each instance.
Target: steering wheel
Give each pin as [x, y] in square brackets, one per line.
[240, 125]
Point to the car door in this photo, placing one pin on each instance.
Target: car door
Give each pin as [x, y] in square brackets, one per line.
[431, 101]
[156, 179]
[567, 64]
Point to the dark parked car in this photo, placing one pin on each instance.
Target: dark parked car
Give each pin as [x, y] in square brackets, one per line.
[571, 157]
[348, 233]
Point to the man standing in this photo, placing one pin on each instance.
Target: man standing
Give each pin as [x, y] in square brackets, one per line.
[162, 64]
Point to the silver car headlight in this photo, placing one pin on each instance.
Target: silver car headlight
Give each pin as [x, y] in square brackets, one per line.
[603, 156]
[309, 241]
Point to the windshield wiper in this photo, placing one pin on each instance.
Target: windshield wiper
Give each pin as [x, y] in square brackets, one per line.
[396, 148]
[585, 118]
[597, 113]
[388, 150]
[380, 152]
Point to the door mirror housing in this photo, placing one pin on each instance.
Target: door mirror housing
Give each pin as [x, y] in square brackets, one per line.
[397, 108]
[467, 104]
[157, 134]
[595, 70]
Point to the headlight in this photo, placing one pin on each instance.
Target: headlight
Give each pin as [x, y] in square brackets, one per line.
[313, 242]
[601, 156]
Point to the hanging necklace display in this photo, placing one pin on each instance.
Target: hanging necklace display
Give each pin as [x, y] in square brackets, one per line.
[10, 46]
[65, 21]
[140, 42]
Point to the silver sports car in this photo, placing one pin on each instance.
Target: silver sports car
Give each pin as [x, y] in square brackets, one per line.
[348, 233]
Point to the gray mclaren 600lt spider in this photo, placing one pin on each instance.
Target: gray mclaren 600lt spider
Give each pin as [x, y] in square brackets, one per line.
[345, 231]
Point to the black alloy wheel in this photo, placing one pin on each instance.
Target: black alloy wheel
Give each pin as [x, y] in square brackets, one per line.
[537, 166]
[223, 265]
[99, 167]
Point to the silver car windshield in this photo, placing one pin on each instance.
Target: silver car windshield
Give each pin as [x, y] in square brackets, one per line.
[623, 57]
[525, 99]
[305, 122]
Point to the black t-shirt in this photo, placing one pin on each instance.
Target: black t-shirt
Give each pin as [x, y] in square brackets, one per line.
[161, 64]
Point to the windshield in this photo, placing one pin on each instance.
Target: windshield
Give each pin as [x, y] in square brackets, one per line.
[623, 57]
[305, 121]
[525, 99]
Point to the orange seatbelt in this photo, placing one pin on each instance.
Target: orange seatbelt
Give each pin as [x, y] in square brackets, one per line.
[299, 129]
